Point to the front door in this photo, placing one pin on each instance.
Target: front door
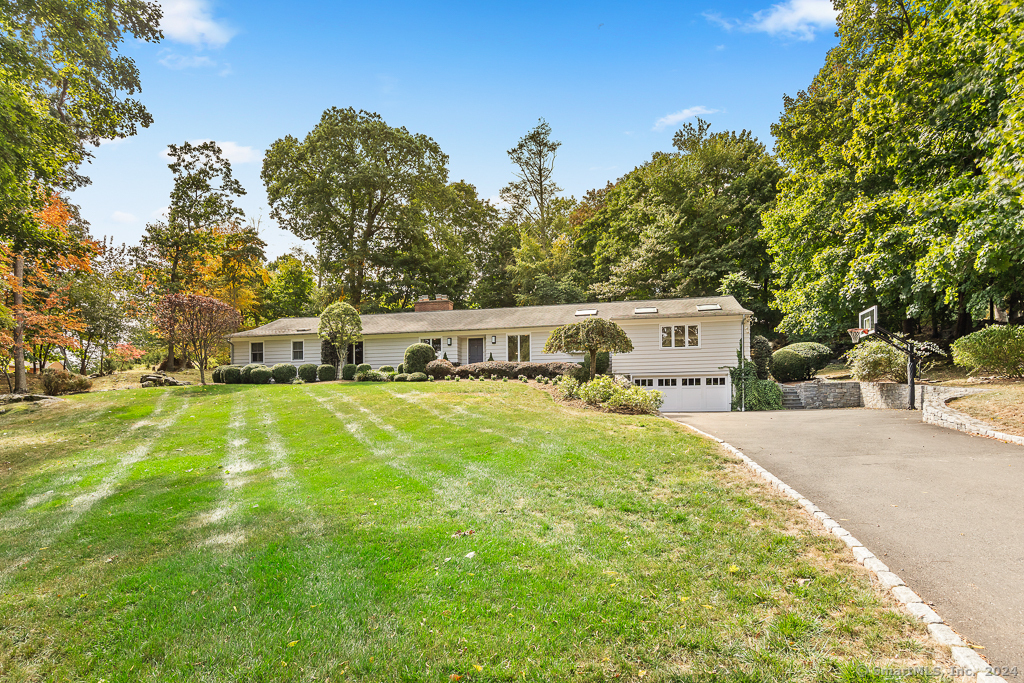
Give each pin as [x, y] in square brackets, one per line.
[476, 350]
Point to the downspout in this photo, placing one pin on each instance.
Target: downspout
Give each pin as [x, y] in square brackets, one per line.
[743, 357]
[232, 345]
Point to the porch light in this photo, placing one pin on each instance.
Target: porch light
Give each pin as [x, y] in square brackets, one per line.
[494, 339]
[449, 341]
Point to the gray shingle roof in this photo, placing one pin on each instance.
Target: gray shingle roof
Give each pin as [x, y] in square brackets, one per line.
[499, 318]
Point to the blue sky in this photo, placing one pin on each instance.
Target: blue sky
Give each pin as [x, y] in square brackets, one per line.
[614, 80]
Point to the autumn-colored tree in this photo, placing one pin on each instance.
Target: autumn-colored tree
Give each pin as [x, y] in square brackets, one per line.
[198, 324]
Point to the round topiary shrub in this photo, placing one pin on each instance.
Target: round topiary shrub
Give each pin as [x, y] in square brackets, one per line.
[799, 362]
[418, 377]
[232, 374]
[326, 373]
[819, 354]
[371, 376]
[307, 372]
[363, 367]
[247, 372]
[385, 368]
[401, 368]
[348, 371]
[417, 356]
[439, 369]
[218, 374]
[284, 373]
[261, 375]
[402, 377]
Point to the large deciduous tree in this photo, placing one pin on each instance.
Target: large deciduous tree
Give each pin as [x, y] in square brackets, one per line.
[591, 336]
[340, 325]
[356, 187]
[198, 323]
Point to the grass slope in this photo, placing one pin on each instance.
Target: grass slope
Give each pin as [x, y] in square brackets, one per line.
[311, 533]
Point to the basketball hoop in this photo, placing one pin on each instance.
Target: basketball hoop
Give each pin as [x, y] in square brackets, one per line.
[857, 332]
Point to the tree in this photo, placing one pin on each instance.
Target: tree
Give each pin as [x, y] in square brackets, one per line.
[354, 186]
[340, 326]
[591, 336]
[202, 200]
[199, 323]
[290, 290]
[530, 195]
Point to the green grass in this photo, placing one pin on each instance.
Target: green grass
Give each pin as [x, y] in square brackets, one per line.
[308, 533]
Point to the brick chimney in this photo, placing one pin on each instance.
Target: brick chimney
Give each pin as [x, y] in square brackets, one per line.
[441, 303]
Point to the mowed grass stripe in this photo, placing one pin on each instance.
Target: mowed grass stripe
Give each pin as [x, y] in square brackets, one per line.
[604, 546]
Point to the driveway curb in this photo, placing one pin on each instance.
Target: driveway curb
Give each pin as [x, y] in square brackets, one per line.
[966, 659]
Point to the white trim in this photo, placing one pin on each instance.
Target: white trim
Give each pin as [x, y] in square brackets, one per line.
[291, 350]
[263, 352]
[686, 335]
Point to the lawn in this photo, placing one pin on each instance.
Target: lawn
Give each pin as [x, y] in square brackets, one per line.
[1001, 405]
[417, 532]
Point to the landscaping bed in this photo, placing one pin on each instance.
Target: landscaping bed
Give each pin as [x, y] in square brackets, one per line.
[420, 532]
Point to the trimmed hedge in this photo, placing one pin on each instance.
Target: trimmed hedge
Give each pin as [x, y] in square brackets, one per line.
[363, 367]
[799, 362]
[997, 348]
[247, 372]
[284, 373]
[385, 368]
[402, 377]
[232, 374]
[261, 375]
[417, 356]
[761, 355]
[401, 368]
[371, 376]
[512, 370]
[348, 371]
[439, 369]
[418, 377]
[326, 373]
[307, 372]
[218, 374]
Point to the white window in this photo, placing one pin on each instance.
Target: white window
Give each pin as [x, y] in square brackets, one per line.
[435, 342]
[256, 352]
[643, 382]
[680, 336]
[519, 348]
[298, 350]
[667, 382]
[716, 381]
[691, 381]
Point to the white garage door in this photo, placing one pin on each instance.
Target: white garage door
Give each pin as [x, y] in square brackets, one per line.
[690, 394]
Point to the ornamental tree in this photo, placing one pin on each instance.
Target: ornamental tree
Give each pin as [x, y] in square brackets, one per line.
[198, 324]
[340, 325]
[591, 336]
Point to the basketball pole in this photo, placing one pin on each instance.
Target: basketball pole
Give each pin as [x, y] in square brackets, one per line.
[905, 346]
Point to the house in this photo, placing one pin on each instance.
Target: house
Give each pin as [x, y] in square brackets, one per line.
[681, 347]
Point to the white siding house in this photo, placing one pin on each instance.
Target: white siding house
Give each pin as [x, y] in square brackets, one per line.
[681, 347]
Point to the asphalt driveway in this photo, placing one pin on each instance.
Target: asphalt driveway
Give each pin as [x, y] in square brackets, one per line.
[945, 510]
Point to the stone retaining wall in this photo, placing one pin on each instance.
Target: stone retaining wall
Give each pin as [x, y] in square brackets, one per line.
[817, 395]
[936, 412]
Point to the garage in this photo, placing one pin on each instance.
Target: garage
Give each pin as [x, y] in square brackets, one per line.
[690, 394]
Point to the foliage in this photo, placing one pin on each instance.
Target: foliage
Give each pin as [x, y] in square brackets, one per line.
[246, 372]
[218, 374]
[749, 391]
[591, 336]
[199, 323]
[340, 325]
[371, 376]
[417, 356]
[500, 368]
[401, 377]
[232, 375]
[440, 369]
[260, 375]
[598, 390]
[386, 368]
[635, 400]
[326, 373]
[348, 371]
[872, 360]
[819, 354]
[604, 360]
[60, 382]
[284, 373]
[363, 367]
[998, 348]
[290, 291]
[569, 388]
[307, 372]
[789, 366]
[401, 368]
[761, 355]
[417, 377]
[125, 356]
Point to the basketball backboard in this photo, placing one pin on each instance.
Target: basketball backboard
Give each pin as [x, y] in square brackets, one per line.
[868, 318]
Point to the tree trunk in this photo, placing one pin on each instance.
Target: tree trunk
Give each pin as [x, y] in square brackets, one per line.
[20, 380]
[963, 318]
[593, 362]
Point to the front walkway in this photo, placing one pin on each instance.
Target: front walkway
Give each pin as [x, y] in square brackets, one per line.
[944, 510]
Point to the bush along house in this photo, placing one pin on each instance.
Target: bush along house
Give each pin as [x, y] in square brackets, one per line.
[681, 347]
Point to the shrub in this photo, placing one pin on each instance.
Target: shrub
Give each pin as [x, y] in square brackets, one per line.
[401, 368]
[371, 376]
[247, 372]
[635, 400]
[439, 369]
[218, 374]
[761, 355]
[326, 373]
[260, 375]
[232, 374]
[348, 371]
[751, 393]
[799, 362]
[997, 348]
[417, 356]
[873, 359]
[490, 357]
[429, 378]
[569, 387]
[307, 372]
[363, 367]
[523, 378]
[402, 377]
[603, 361]
[445, 355]
[59, 382]
[598, 390]
[284, 373]
[418, 377]
[386, 368]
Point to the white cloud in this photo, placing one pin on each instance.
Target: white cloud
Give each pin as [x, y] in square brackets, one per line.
[110, 142]
[800, 19]
[122, 217]
[688, 113]
[161, 213]
[232, 151]
[190, 21]
[177, 62]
